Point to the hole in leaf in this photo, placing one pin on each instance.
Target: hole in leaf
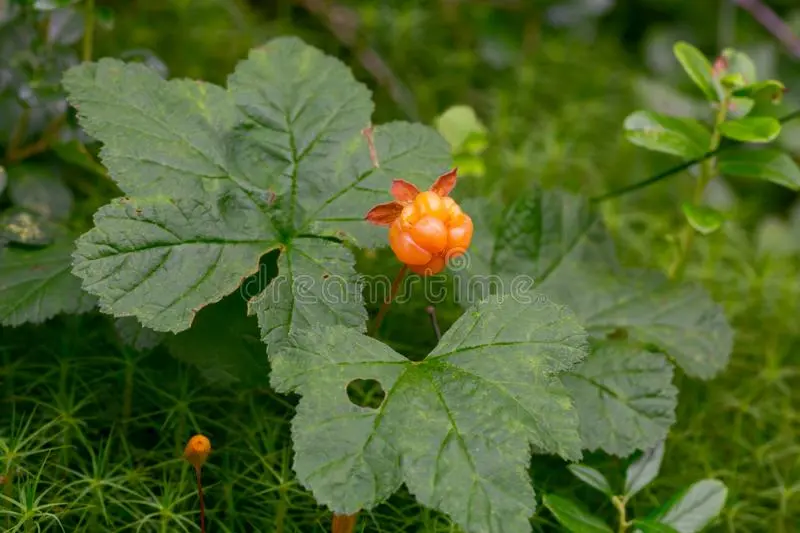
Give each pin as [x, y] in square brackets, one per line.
[366, 393]
[618, 334]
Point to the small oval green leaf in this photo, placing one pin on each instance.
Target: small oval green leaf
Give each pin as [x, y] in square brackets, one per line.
[740, 65]
[693, 509]
[460, 123]
[766, 164]
[763, 91]
[740, 107]
[573, 516]
[591, 477]
[683, 137]
[703, 219]
[644, 470]
[697, 67]
[751, 129]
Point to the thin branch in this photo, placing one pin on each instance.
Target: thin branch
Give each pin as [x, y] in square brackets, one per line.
[343, 23]
[431, 310]
[773, 23]
[680, 168]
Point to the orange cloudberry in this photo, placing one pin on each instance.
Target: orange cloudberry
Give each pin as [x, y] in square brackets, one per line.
[426, 229]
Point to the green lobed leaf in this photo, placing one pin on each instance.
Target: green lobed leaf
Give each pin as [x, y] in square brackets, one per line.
[695, 508]
[39, 189]
[573, 516]
[162, 260]
[284, 156]
[456, 428]
[751, 129]
[767, 164]
[643, 470]
[321, 276]
[684, 137]
[158, 137]
[591, 477]
[37, 284]
[703, 219]
[555, 239]
[697, 67]
[625, 398]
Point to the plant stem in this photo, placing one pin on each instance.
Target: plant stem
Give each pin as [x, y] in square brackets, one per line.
[386, 303]
[680, 168]
[706, 174]
[197, 471]
[619, 504]
[88, 31]
[344, 523]
[431, 310]
[127, 393]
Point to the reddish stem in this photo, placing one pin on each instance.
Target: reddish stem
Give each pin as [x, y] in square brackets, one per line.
[344, 523]
[386, 303]
[197, 471]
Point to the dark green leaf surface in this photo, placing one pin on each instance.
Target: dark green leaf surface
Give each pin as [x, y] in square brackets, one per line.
[683, 137]
[37, 284]
[316, 285]
[625, 398]
[39, 189]
[695, 508]
[697, 67]
[162, 260]
[643, 470]
[137, 337]
[751, 129]
[20, 226]
[766, 164]
[573, 516]
[456, 428]
[158, 137]
[680, 319]
[224, 345]
[218, 177]
[555, 239]
[591, 477]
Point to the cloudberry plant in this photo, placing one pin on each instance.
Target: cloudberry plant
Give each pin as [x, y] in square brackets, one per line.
[426, 229]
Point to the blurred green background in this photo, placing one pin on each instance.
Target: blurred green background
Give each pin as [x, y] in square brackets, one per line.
[95, 429]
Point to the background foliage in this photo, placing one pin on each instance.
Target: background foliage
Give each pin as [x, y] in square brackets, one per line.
[92, 428]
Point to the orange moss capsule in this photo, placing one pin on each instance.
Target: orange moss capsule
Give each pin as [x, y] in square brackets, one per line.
[425, 228]
[197, 450]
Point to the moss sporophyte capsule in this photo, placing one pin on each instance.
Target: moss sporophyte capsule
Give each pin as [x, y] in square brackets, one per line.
[197, 450]
[426, 229]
